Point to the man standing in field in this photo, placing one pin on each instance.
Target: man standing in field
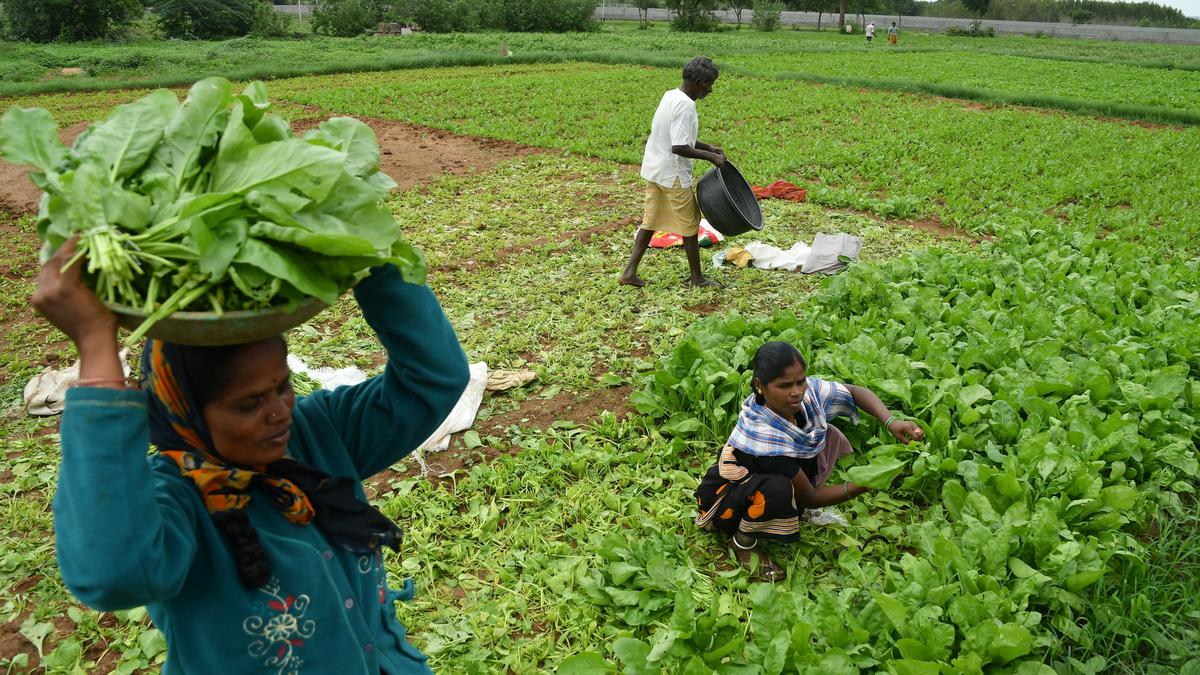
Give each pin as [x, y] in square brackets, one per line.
[667, 167]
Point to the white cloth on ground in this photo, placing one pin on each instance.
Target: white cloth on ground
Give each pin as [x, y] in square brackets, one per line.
[825, 516]
[330, 378]
[46, 392]
[463, 415]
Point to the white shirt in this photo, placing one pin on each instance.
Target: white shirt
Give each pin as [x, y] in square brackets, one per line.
[675, 123]
[870, 30]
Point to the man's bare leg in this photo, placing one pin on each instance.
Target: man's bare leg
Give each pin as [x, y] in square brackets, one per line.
[641, 242]
[691, 245]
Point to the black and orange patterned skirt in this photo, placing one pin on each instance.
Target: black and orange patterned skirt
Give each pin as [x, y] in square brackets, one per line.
[759, 505]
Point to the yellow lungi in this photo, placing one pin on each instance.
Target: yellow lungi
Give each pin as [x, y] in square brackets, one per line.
[672, 209]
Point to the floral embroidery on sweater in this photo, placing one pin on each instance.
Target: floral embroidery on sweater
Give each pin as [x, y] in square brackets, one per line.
[282, 631]
[368, 564]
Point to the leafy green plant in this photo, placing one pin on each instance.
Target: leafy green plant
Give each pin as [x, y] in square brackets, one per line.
[1042, 451]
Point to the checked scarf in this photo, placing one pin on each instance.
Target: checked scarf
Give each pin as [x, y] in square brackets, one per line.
[301, 493]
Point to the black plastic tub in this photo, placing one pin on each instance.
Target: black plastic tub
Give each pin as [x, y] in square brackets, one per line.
[727, 201]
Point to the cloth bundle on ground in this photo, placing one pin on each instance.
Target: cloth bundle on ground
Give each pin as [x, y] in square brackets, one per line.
[828, 254]
[46, 392]
[708, 236]
[781, 189]
[502, 380]
[463, 415]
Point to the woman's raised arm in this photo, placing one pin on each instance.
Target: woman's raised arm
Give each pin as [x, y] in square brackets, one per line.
[384, 418]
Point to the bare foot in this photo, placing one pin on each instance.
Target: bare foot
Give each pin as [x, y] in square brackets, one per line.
[767, 569]
[631, 280]
[702, 282]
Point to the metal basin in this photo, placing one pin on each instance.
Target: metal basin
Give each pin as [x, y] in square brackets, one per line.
[210, 329]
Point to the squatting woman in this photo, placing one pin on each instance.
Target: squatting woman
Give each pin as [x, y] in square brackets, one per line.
[781, 452]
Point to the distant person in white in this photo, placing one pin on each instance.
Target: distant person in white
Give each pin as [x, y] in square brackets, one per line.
[667, 167]
[870, 32]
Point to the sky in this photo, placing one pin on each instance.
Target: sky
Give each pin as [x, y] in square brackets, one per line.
[1188, 7]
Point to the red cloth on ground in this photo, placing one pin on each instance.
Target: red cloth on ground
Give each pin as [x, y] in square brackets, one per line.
[781, 189]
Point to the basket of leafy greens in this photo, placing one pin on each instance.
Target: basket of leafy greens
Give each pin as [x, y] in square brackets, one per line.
[209, 221]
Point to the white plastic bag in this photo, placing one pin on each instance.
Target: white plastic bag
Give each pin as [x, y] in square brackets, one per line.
[769, 257]
[463, 415]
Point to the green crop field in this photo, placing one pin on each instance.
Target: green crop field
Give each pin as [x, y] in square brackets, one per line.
[1028, 291]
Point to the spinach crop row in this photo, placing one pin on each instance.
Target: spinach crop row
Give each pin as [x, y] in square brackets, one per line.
[1057, 379]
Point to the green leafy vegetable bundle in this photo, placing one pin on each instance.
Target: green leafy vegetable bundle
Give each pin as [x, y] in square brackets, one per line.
[212, 204]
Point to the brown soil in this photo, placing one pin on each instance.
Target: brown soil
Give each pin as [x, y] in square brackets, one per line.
[13, 643]
[508, 252]
[932, 225]
[414, 154]
[704, 308]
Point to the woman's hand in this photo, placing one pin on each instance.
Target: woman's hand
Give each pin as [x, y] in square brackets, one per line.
[906, 431]
[74, 309]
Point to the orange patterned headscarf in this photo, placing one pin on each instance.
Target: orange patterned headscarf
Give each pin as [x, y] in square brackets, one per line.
[302, 493]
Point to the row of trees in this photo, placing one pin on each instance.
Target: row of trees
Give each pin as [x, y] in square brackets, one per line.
[1073, 11]
[352, 17]
[75, 20]
[698, 14]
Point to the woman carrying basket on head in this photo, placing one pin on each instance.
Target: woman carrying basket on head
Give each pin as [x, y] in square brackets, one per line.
[247, 535]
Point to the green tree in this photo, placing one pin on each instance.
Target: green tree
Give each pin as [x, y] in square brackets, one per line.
[643, 7]
[738, 6]
[766, 14]
[71, 20]
[693, 15]
[207, 19]
[347, 18]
